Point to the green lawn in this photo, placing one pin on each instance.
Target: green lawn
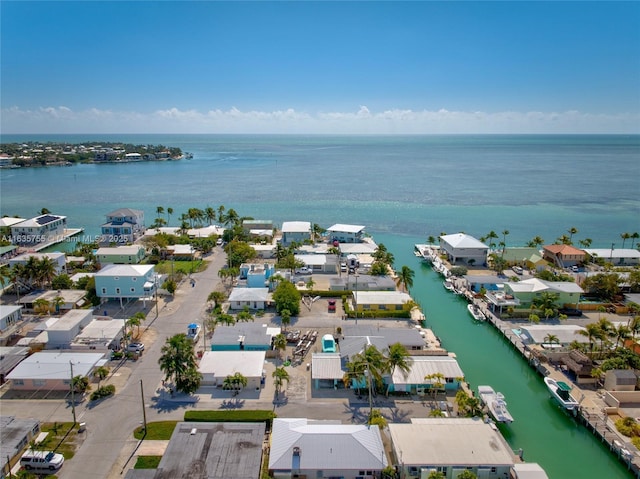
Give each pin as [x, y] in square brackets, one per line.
[186, 267]
[159, 430]
[61, 438]
[147, 462]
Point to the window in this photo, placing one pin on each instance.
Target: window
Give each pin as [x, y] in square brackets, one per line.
[104, 290]
[39, 382]
[116, 278]
[134, 278]
[382, 307]
[117, 290]
[18, 382]
[133, 290]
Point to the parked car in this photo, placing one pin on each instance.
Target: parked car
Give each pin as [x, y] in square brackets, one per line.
[332, 305]
[219, 242]
[135, 347]
[343, 267]
[517, 270]
[304, 270]
[41, 460]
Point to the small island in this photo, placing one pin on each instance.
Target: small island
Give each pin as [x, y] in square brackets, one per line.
[33, 153]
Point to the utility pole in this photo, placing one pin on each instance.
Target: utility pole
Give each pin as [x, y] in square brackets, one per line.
[144, 412]
[156, 289]
[73, 397]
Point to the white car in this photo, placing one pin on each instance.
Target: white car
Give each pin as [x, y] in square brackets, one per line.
[135, 347]
[304, 270]
[517, 270]
[41, 461]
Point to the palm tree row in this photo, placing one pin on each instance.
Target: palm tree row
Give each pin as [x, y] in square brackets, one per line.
[34, 273]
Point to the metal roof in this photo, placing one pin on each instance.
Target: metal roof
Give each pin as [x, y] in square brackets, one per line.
[342, 228]
[422, 366]
[226, 363]
[463, 241]
[325, 446]
[55, 365]
[251, 333]
[136, 270]
[326, 366]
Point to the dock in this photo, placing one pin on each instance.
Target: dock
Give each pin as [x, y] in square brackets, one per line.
[590, 413]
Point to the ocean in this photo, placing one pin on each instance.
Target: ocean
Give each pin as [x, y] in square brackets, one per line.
[406, 185]
[403, 189]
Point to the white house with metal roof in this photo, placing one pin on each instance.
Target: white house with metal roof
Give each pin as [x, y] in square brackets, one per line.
[450, 446]
[302, 447]
[215, 366]
[10, 321]
[464, 248]
[617, 257]
[52, 370]
[59, 260]
[346, 233]
[253, 298]
[125, 254]
[296, 231]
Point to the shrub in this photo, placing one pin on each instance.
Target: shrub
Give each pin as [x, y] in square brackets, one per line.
[628, 426]
[103, 392]
[230, 416]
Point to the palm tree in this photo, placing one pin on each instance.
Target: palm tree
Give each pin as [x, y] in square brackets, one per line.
[491, 235]
[551, 339]
[625, 237]
[216, 297]
[431, 240]
[634, 236]
[437, 382]
[159, 211]
[535, 242]
[285, 318]
[377, 419]
[245, 315]
[504, 240]
[136, 320]
[101, 372]
[573, 230]
[280, 344]
[621, 333]
[41, 307]
[169, 213]
[398, 358]
[585, 243]
[592, 332]
[405, 278]
[178, 362]
[280, 375]
[210, 214]
[235, 382]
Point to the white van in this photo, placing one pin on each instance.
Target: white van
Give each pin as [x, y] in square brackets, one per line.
[41, 460]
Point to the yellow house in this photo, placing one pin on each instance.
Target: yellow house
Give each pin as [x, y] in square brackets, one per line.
[381, 301]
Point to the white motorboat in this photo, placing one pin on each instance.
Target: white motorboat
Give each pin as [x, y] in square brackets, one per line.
[561, 393]
[495, 403]
[448, 285]
[475, 312]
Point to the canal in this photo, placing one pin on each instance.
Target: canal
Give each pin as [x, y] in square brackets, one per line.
[547, 435]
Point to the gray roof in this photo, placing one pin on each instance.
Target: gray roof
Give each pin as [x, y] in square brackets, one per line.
[12, 431]
[326, 366]
[326, 446]
[55, 365]
[405, 336]
[235, 453]
[253, 333]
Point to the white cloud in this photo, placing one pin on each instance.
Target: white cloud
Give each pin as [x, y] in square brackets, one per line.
[62, 119]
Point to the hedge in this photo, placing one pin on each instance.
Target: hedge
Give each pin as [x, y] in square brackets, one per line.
[230, 416]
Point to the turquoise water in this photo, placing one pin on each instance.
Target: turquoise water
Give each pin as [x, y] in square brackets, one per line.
[403, 189]
[547, 435]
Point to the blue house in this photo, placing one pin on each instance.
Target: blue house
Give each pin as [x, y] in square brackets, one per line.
[125, 281]
[243, 337]
[257, 275]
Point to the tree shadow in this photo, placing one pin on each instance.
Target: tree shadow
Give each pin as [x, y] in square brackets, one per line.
[232, 403]
[161, 404]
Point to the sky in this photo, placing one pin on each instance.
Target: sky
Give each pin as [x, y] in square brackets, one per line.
[365, 67]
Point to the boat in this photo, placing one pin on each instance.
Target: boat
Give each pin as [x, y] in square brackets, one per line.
[495, 403]
[193, 332]
[448, 285]
[561, 392]
[476, 313]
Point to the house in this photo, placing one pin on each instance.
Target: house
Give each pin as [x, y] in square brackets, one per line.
[381, 301]
[346, 233]
[529, 289]
[296, 232]
[131, 254]
[463, 248]
[564, 334]
[59, 260]
[15, 435]
[10, 322]
[253, 298]
[7, 252]
[243, 337]
[563, 255]
[303, 447]
[62, 333]
[617, 257]
[410, 338]
[362, 282]
[210, 450]
[52, 370]
[10, 357]
[215, 366]
[45, 228]
[620, 380]
[59, 300]
[450, 446]
[123, 225]
[180, 252]
[319, 263]
[117, 281]
[257, 228]
[101, 334]
[442, 369]
[327, 370]
[527, 258]
[256, 274]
